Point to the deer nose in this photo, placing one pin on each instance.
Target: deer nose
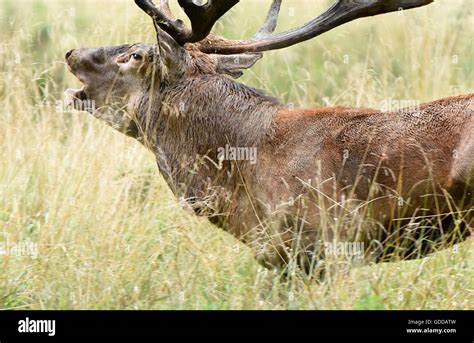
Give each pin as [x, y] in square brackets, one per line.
[69, 53]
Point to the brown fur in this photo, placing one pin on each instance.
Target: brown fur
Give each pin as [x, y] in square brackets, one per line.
[313, 165]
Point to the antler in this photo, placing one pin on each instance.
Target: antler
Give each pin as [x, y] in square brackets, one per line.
[341, 12]
[202, 17]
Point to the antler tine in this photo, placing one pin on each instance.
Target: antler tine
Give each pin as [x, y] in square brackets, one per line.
[203, 17]
[270, 23]
[149, 7]
[165, 7]
[163, 18]
[341, 12]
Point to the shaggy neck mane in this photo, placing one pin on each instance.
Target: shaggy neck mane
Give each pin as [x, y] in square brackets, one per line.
[197, 116]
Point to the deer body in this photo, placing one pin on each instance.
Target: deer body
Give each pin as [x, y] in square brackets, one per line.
[386, 179]
[305, 155]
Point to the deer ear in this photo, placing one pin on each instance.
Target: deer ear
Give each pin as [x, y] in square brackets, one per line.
[234, 65]
[170, 51]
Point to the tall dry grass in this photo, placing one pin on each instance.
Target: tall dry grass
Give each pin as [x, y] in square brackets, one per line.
[109, 233]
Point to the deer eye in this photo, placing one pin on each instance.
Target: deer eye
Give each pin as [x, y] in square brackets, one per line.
[137, 57]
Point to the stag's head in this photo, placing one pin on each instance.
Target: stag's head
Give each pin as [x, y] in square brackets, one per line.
[111, 75]
[115, 78]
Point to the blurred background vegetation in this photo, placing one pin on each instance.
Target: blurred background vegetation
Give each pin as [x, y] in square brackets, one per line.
[109, 232]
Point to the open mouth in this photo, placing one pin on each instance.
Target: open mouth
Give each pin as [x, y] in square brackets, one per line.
[77, 99]
[76, 94]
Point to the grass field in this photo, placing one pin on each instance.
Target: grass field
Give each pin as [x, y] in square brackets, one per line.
[108, 232]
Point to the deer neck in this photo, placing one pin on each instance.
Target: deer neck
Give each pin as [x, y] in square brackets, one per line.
[196, 118]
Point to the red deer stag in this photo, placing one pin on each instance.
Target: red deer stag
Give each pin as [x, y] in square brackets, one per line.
[284, 181]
